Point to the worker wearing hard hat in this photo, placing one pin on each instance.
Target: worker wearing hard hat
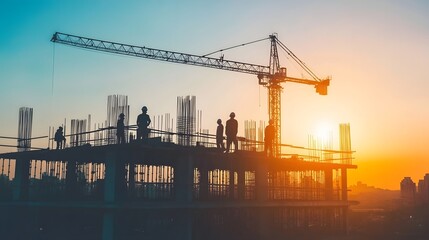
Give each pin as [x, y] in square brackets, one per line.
[59, 138]
[143, 122]
[231, 130]
[120, 129]
[269, 138]
[219, 135]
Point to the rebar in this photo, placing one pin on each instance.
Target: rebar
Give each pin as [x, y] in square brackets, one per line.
[116, 104]
[186, 120]
[24, 128]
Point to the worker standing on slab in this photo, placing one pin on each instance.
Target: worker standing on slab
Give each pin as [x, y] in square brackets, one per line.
[219, 135]
[59, 138]
[231, 130]
[269, 139]
[143, 122]
[120, 129]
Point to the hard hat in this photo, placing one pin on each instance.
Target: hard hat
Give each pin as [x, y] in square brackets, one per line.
[144, 108]
[232, 114]
[219, 121]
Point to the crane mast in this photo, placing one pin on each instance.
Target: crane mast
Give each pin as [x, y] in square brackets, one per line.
[269, 76]
[274, 95]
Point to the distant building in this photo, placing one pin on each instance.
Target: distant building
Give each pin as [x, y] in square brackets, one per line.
[408, 190]
[423, 189]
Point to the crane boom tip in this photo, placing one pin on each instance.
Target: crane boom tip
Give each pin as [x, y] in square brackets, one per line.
[54, 37]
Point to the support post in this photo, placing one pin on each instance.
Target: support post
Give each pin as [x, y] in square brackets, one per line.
[344, 184]
[114, 186]
[261, 182]
[184, 220]
[183, 179]
[132, 178]
[204, 183]
[21, 180]
[109, 228]
[183, 187]
[114, 182]
[231, 184]
[241, 188]
[71, 179]
[328, 184]
[265, 229]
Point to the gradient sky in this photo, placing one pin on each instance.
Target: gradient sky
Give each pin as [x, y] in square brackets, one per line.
[375, 51]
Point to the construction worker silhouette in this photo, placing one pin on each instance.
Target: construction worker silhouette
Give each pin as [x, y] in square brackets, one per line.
[269, 139]
[143, 121]
[59, 138]
[120, 129]
[219, 135]
[231, 130]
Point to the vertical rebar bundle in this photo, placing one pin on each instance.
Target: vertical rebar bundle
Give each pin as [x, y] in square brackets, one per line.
[77, 128]
[199, 126]
[168, 127]
[116, 104]
[152, 182]
[261, 130]
[316, 146]
[24, 128]
[186, 120]
[345, 143]
[250, 135]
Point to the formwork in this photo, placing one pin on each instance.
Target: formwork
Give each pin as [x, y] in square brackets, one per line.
[158, 190]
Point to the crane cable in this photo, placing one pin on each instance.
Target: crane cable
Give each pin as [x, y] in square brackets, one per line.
[53, 69]
[297, 60]
[240, 45]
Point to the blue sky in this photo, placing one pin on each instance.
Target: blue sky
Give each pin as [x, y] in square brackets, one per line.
[375, 51]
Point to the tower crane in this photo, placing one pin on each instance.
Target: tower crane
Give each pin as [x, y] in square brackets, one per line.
[269, 76]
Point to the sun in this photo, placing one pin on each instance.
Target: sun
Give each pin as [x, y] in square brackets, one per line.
[323, 132]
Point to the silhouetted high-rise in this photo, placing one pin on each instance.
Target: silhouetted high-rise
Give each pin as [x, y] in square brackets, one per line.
[423, 189]
[408, 190]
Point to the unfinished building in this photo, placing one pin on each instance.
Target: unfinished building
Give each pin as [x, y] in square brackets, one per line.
[155, 189]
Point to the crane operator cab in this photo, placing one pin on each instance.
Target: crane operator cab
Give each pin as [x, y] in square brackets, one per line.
[282, 72]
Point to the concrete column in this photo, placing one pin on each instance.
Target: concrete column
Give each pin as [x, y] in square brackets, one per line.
[71, 179]
[345, 222]
[231, 184]
[111, 174]
[261, 182]
[265, 229]
[241, 188]
[114, 186]
[328, 184]
[21, 180]
[109, 225]
[114, 180]
[204, 184]
[183, 179]
[344, 184]
[184, 220]
[132, 178]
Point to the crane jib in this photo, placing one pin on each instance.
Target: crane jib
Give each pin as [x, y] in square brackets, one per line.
[157, 54]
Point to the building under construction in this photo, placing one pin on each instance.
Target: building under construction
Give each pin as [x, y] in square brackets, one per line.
[158, 188]
[175, 185]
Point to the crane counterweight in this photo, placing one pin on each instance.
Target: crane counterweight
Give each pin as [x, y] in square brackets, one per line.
[322, 87]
